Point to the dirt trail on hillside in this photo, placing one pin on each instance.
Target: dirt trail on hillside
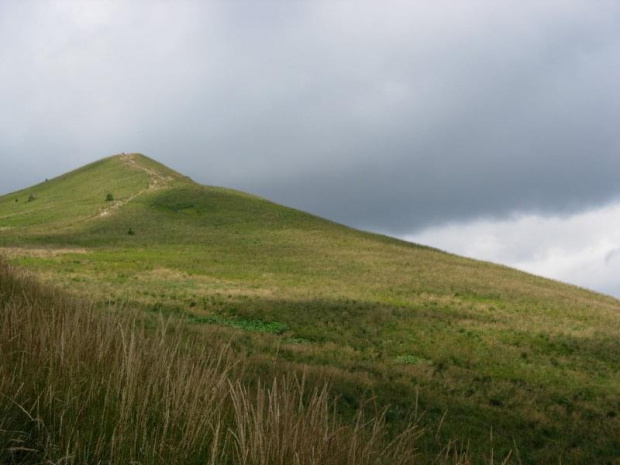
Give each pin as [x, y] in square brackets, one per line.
[156, 181]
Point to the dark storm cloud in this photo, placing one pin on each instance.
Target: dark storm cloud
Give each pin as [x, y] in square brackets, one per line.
[390, 116]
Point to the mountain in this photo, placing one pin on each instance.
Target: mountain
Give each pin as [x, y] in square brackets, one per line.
[491, 348]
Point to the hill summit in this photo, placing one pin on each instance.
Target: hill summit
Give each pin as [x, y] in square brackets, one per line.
[78, 196]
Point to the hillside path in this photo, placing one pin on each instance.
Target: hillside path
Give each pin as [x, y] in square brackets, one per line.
[156, 181]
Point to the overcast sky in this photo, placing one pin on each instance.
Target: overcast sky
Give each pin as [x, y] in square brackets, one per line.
[487, 128]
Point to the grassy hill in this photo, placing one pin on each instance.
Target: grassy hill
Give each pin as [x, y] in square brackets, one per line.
[478, 347]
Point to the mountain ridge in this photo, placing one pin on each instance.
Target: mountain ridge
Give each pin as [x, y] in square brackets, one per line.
[161, 176]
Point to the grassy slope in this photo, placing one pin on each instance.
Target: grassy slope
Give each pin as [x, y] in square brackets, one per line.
[536, 359]
[79, 386]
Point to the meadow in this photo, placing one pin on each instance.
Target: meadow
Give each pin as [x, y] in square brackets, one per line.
[82, 386]
[489, 358]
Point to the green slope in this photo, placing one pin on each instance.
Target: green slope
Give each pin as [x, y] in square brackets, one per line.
[536, 360]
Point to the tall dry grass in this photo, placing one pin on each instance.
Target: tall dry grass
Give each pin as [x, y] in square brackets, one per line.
[84, 386]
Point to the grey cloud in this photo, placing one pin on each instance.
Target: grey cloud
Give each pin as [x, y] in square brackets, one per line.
[391, 119]
[612, 256]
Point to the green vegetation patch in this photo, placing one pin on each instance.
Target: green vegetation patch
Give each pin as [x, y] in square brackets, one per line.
[273, 327]
[410, 359]
[298, 340]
